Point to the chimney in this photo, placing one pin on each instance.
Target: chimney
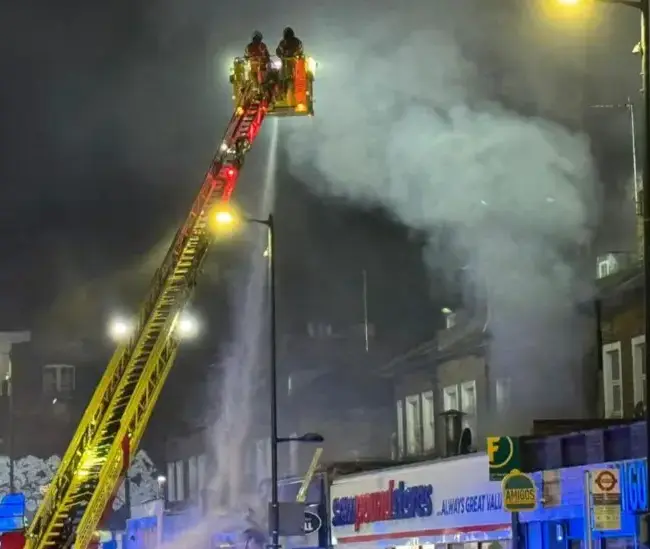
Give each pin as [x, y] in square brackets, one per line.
[453, 420]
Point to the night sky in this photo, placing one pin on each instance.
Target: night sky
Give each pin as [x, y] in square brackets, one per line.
[110, 111]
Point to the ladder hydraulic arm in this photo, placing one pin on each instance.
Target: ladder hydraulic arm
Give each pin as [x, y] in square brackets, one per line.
[114, 421]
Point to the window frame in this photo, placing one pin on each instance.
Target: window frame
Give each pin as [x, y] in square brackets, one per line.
[171, 481]
[604, 265]
[638, 376]
[179, 466]
[57, 369]
[446, 391]
[469, 420]
[413, 424]
[192, 478]
[463, 386]
[400, 434]
[608, 382]
[428, 423]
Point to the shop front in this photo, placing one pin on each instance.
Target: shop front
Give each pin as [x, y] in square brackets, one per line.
[559, 521]
[446, 504]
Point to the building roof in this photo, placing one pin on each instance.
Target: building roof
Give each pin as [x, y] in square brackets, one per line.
[623, 281]
[468, 338]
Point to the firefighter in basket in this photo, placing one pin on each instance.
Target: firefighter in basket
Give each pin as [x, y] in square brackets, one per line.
[288, 50]
[258, 56]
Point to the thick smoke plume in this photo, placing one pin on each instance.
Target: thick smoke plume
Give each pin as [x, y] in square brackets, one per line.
[405, 120]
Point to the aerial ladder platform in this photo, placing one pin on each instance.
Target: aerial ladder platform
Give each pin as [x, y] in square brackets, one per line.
[109, 433]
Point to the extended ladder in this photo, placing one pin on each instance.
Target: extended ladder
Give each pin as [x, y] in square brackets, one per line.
[114, 422]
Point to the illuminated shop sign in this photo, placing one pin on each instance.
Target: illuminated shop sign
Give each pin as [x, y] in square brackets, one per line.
[476, 503]
[634, 485]
[395, 503]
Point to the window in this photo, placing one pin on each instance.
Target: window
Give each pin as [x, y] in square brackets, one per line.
[320, 329]
[413, 424]
[58, 379]
[192, 478]
[5, 374]
[638, 369]
[428, 422]
[171, 485]
[468, 398]
[450, 320]
[200, 474]
[612, 380]
[450, 398]
[502, 395]
[180, 484]
[468, 404]
[400, 428]
[604, 268]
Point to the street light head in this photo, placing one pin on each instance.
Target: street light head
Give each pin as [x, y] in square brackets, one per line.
[188, 326]
[120, 329]
[225, 220]
[224, 217]
[311, 437]
[161, 479]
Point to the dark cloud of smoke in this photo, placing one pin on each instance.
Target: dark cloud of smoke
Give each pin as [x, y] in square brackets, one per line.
[406, 120]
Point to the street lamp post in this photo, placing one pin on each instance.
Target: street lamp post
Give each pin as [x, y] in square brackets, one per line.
[225, 217]
[273, 385]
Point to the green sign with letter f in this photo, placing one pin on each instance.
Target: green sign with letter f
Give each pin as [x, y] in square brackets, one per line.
[503, 456]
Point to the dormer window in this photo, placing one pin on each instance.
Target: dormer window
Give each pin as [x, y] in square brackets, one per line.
[450, 320]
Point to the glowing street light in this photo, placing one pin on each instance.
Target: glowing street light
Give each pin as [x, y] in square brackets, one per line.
[120, 329]
[188, 326]
[224, 218]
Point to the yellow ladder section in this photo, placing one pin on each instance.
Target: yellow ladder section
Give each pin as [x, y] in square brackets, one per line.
[125, 397]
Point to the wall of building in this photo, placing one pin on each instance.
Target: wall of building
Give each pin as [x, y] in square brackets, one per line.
[422, 395]
[623, 341]
[466, 375]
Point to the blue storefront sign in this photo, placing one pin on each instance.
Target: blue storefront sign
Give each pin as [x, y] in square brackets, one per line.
[634, 485]
[567, 515]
